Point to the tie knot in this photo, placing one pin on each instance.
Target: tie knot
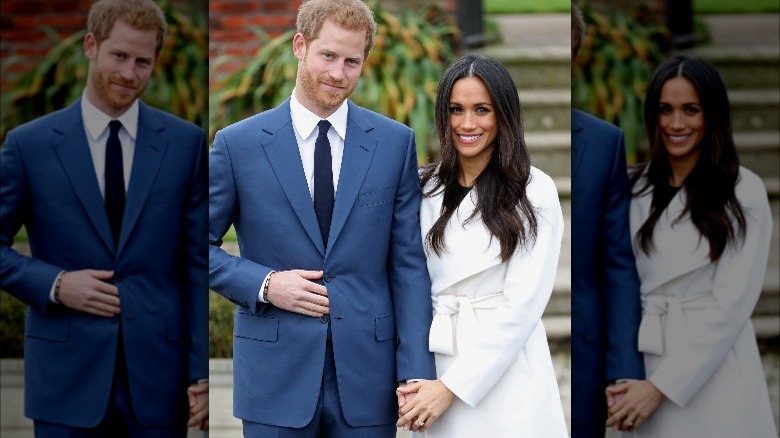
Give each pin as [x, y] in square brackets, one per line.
[114, 126]
[324, 126]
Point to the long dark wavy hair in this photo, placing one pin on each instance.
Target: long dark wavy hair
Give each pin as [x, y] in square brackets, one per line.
[502, 203]
[710, 187]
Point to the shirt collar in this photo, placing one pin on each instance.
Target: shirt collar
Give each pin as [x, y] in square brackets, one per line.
[96, 121]
[305, 121]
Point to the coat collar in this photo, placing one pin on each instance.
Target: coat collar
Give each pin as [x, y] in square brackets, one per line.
[72, 149]
[469, 248]
[679, 248]
[282, 151]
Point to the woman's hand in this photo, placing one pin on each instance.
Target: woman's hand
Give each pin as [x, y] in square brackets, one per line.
[432, 399]
[639, 399]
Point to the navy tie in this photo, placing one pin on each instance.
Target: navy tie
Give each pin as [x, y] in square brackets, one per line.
[323, 180]
[115, 180]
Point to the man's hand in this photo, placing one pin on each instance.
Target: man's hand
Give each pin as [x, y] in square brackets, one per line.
[87, 291]
[295, 292]
[432, 399]
[640, 399]
[403, 398]
[198, 397]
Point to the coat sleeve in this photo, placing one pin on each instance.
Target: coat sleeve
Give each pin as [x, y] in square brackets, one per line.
[622, 306]
[408, 276]
[737, 284]
[27, 278]
[196, 263]
[527, 289]
[237, 279]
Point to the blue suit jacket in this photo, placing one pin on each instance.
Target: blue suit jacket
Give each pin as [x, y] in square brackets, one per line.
[48, 184]
[605, 301]
[374, 268]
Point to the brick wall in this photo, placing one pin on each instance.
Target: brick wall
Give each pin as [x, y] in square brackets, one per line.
[230, 23]
[22, 22]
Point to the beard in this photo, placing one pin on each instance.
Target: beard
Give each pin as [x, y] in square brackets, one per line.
[116, 99]
[324, 98]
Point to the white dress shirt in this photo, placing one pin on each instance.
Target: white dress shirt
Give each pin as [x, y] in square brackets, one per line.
[96, 128]
[306, 131]
[97, 131]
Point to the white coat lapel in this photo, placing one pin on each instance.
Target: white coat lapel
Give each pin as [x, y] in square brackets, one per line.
[678, 249]
[469, 250]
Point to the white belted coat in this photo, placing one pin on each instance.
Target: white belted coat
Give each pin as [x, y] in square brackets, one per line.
[699, 344]
[490, 344]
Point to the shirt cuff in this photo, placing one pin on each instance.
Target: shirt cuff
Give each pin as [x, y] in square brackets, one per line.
[54, 287]
[263, 286]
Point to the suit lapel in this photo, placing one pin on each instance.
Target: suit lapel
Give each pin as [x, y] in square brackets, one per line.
[150, 146]
[285, 159]
[72, 149]
[359, 148]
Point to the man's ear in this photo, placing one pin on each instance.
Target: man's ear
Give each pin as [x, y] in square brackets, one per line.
[299, 46]
[90, 46]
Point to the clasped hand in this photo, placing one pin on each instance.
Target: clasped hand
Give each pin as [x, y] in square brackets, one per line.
[421, 403]
[630, 403]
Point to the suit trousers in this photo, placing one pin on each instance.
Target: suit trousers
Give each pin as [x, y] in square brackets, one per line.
[328, 421]
[119, 420]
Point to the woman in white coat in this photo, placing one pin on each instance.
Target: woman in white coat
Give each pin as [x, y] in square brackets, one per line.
[492, 226]
[701, 227]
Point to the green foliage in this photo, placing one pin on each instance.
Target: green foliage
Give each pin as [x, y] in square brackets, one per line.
[221, 313]
[399, 78]
[732, 6]
[525, 6]
[11, 326]
[618, 55]
[178, 84]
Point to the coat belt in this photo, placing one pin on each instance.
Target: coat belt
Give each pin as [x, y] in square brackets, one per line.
[651, 333]
[443, 337]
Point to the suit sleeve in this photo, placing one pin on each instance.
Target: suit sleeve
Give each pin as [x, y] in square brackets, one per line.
[196, 263]
[622, 305]
[237, 279]
[408, 275]
[26, 278]
[737, 285]
[528, 286]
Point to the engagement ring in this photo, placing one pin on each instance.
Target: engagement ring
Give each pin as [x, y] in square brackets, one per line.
[420, 423]
[629, 423]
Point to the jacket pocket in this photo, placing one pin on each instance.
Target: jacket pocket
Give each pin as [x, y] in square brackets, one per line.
[256, 327]
[385, 327]
[377, 197]
[51, 329]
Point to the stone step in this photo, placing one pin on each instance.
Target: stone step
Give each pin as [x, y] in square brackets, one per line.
[759, 151]
[546, 109]
[755, 109]
[550, 151]
[744, 67]
[535, 67]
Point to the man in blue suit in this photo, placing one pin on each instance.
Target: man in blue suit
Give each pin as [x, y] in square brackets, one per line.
[332, 289]
[113, 195]
[606, 308]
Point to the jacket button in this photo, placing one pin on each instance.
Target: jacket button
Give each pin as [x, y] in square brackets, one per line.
[327, 278]
[324, 319]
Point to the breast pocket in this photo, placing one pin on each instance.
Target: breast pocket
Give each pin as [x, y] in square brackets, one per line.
[167, 196]
[376, 197]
